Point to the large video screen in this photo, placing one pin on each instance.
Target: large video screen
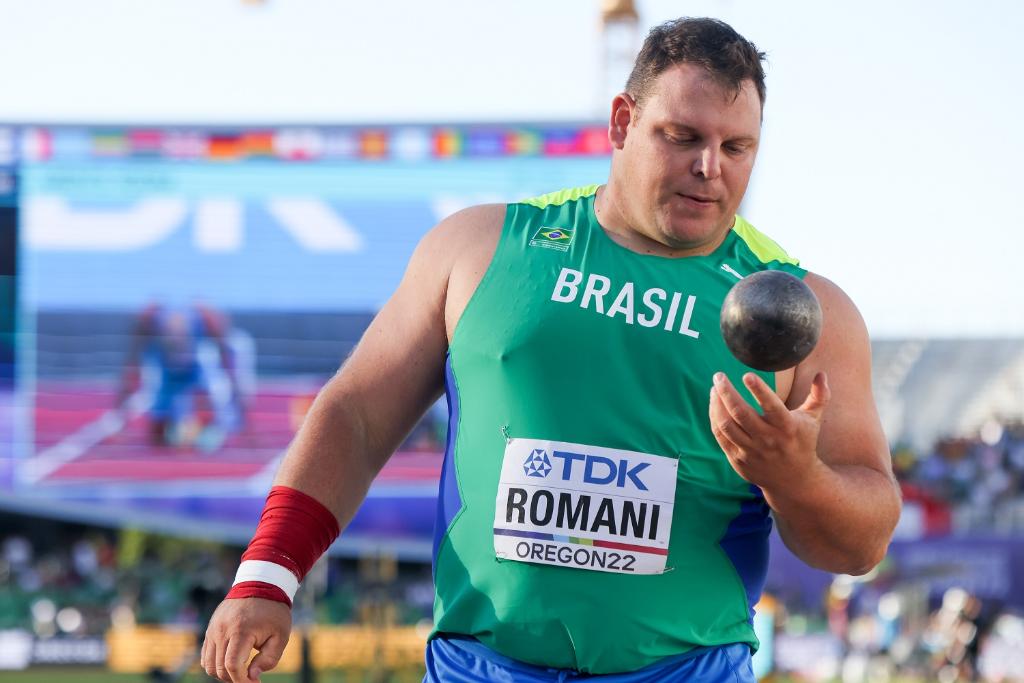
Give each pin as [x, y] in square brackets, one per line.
[186, 292]
[8, 303]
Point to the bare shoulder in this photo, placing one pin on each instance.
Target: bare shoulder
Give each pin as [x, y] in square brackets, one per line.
[851, 425]
[837, 306]
[467, 240]
[844, 335]
[478, 217]
[844, 346]
[441, 257]
[465, 230]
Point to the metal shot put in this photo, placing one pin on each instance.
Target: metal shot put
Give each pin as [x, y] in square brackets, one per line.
[771, 320]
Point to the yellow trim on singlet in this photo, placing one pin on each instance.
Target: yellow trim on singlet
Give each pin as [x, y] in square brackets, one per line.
[764, 247]
[561, 196]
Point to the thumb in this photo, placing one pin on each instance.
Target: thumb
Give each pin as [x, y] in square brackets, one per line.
[268, 657]
[818, 397]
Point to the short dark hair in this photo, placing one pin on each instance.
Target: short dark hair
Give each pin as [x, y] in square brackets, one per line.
[727, 56]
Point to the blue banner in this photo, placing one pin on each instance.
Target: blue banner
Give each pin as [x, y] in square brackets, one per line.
[252, 236]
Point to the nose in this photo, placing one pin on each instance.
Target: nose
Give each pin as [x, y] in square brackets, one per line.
[708, 164]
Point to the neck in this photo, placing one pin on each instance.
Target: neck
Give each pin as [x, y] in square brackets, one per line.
[612, 212]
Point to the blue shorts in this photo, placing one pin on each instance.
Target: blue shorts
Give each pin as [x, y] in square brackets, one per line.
[464, 660]
[175, 396]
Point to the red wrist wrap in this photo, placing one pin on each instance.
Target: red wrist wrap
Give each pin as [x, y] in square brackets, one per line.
[294, 531]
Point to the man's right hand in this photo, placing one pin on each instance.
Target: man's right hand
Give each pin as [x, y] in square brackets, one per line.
[237, 627]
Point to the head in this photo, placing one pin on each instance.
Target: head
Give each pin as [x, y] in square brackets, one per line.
[685, 132]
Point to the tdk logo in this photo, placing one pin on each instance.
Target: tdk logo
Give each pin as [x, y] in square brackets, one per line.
[600, 470]
[537, 464]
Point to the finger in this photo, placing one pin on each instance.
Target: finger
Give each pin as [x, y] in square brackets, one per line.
[818, 397]
[741, 411]
[730, 435]
[202, 653]
[210, 660]
[773, 409]
[268, 657]
[236, 655]
[220, 666]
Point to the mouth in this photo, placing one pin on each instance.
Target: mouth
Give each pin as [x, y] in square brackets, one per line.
[697, 199]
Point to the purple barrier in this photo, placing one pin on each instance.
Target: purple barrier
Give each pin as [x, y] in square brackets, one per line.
[991, 567]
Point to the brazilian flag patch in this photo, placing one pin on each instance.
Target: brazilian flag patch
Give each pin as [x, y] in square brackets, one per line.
[553, 238]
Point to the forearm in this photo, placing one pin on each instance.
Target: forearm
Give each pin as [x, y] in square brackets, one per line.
[840, 519]
[329, 458]
[321, 483]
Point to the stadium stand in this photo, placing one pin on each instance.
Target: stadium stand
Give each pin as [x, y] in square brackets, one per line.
[930, 389]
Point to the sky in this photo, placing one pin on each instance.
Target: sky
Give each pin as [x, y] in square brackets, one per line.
[891, 151]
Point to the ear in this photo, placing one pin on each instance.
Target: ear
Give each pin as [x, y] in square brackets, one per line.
[624, 110]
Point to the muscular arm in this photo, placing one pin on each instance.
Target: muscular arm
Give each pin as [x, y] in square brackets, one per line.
[359, 418]
[821, 458]
[394, 374]
[842, 517]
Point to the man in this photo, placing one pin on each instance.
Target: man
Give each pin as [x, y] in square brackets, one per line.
[190, 352]
[607, 483]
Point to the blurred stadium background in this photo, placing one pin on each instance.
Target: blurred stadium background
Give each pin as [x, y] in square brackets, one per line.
[173, 296]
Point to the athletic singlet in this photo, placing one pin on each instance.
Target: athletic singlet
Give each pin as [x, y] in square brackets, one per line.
[587, 518]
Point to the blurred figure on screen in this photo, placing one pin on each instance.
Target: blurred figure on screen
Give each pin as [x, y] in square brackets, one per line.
[178, 355]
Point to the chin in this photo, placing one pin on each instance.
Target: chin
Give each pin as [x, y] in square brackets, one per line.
[689, 234]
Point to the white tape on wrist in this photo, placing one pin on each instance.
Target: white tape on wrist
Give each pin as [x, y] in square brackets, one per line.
[268, 572]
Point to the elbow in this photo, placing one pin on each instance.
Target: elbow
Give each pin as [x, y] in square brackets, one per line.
[857, 564]
[868, 558]
[860, 560]
[862, 568]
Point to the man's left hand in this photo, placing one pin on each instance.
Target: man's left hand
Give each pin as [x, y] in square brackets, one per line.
[773, 448]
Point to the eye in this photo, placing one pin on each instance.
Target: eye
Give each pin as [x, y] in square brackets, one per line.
[735, 148]
[680, 139]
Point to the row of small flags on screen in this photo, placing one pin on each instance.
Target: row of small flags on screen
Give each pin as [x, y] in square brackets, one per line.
[314, 144]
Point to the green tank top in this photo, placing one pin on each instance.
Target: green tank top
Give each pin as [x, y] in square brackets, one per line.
[587, 518]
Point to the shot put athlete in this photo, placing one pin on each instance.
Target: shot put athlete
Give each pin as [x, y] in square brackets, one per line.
[611, 468]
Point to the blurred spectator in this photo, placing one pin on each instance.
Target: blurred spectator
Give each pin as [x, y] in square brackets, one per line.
[108, 579]
[979, 479]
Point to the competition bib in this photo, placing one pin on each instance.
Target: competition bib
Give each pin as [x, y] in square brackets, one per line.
[584, 507]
